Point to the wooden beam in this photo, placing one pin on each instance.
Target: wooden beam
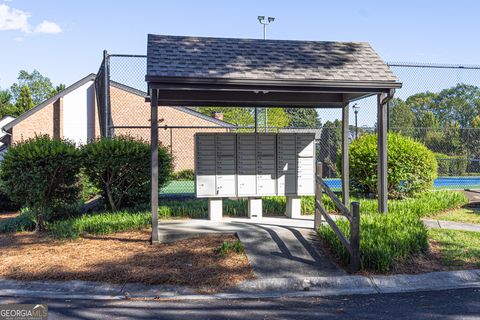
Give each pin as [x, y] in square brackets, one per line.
[154, 164]
[341, 236]
[345, 164]
[382, 154]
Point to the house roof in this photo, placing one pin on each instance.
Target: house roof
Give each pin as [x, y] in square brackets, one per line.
[196, 71]
[182, 109]
[67, 90]
[228, 58]
[91, 77]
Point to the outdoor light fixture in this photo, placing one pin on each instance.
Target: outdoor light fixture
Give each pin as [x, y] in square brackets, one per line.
[262, 21]
[355, 108]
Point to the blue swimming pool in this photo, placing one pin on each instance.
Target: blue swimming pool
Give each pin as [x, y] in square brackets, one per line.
[459, 183]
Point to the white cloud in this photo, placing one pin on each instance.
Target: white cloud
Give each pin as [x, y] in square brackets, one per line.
[15, 19]
[48, 27]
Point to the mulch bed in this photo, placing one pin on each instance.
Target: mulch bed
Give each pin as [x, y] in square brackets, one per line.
[8, 215]
[121, 258]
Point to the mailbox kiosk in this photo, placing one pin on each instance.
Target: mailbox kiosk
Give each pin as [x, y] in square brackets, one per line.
[252, 165]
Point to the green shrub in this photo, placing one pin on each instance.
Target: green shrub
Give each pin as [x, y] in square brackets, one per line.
[226, 247]
[387, 239]
[451, 165]
[120, 167]
[185, 175]
[6, 204]
[412, 167]
[25, 221]
[42, 174]
[88, 188]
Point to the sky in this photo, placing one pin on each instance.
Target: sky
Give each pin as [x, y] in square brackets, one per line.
[64, 40]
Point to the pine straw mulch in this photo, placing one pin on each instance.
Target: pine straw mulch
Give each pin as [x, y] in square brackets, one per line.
[121, 258]
[8, 215]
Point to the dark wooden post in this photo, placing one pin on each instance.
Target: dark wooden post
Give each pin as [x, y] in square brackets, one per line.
[317, 221]
[345, 164]
[382, 154]
[355, 237]
[154, 164]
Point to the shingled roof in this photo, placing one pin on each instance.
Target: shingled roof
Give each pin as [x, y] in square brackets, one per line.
[244, 59]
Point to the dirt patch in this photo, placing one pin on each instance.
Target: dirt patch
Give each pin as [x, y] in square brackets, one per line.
[422, 263]
[123, 257]
[8, 215]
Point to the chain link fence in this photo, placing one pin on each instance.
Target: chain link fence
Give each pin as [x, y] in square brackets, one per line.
[438, 105]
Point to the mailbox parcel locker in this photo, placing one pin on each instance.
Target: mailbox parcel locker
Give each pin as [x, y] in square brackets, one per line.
[246, 165]
[250, 165]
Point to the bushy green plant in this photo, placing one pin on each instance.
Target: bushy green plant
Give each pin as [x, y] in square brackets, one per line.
[451, 165]
[42, 174]
[120, 167]
[6, 204]
[386, 239]
[412, 167]
[184, 175]
[25, 221]
[226, 247]
[88, 189]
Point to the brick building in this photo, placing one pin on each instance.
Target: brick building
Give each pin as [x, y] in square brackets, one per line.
[72, 114]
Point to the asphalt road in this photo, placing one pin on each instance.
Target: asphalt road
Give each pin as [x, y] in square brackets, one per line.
[451, 304]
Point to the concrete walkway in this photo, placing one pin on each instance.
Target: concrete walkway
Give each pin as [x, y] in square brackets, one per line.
[276, 247]
[451, 225]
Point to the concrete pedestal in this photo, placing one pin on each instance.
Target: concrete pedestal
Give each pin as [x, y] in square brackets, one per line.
[255, 208]
[294, 207]
[215, 209]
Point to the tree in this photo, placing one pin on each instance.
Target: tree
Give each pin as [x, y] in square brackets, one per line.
[459, 104]
[59, 88]
[41, 88]
[329, 147]
[303, 117]
[401, 117]
[234, 115]
[277, 118]
[6, 106]
[24, 101]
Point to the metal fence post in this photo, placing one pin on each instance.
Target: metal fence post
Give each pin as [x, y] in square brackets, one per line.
[355, 236]
[106, 92]
[318, 197]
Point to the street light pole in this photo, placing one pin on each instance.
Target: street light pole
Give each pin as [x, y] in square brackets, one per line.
[355, 111]
[265, 23]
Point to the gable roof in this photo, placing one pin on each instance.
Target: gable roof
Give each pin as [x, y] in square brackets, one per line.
[182, 109]
[91, 77]
[67, 90]
[201, 58]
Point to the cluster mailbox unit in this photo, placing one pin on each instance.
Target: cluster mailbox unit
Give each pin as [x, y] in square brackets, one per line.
[252, 165]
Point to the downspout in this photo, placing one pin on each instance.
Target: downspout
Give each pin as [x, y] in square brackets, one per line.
[387, 100]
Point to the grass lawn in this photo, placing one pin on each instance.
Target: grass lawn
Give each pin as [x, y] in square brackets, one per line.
[457, 249]
[467, 215]
[179, 187]
[124, 257]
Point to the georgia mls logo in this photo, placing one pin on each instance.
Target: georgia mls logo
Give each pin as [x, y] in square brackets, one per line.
[39, 311]
[23, 312]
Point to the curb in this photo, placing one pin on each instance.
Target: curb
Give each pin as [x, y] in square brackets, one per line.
[255, 289]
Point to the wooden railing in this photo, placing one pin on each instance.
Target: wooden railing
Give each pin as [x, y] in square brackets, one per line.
[353, 216]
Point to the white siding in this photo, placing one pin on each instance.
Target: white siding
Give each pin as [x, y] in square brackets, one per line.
[78, 111]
